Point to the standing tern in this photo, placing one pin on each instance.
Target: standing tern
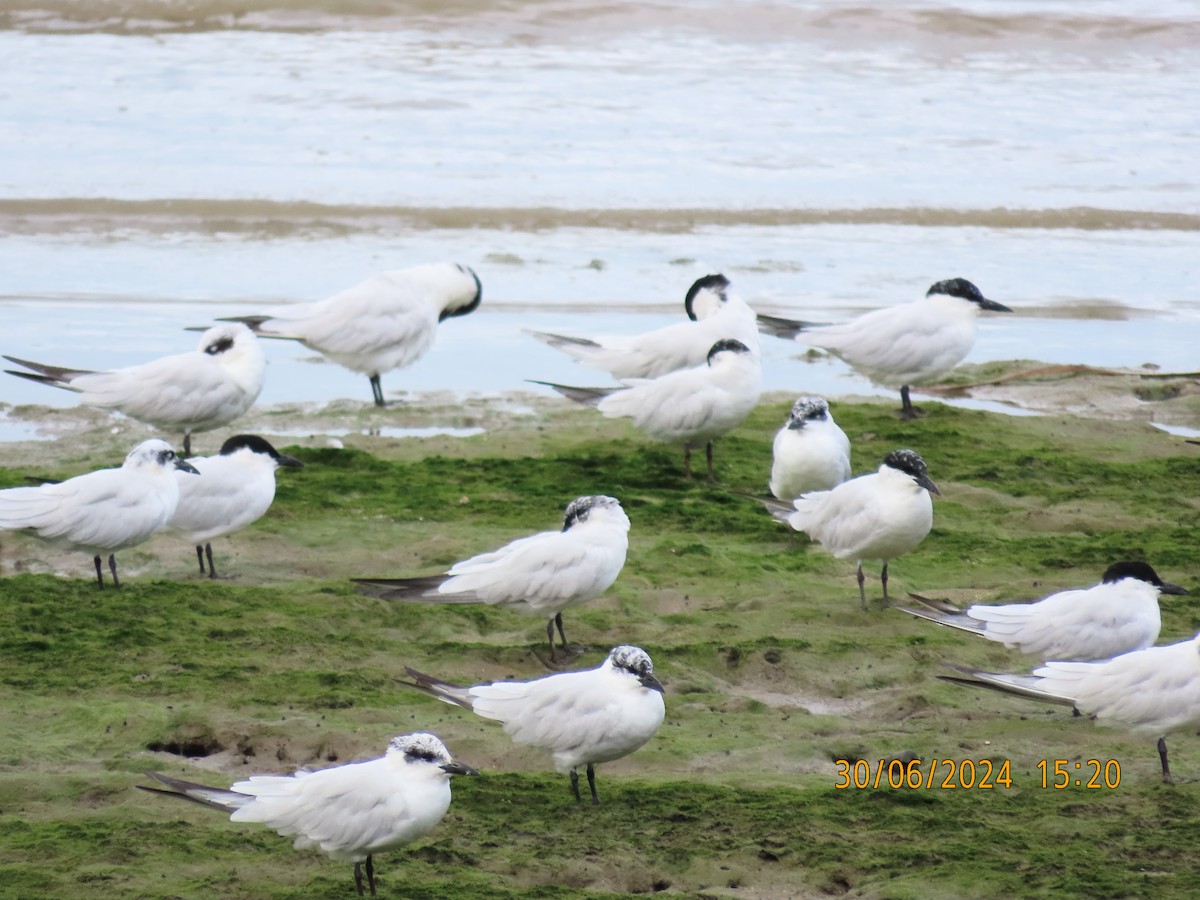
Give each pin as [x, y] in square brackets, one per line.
[911, 344]
[1155, 691]
[713, 312]
[542, 574]
[349, 812]
[1116, 616]
[878, 516]
[237, 488]
[386, 322]
[691, 406]
[103, 511]
[582, 718]
[810, 453]
[189, 392]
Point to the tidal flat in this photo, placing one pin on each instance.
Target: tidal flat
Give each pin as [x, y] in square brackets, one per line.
[771, 670]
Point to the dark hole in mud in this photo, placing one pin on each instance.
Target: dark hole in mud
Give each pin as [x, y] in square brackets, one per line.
[202, 745]
[189, 739]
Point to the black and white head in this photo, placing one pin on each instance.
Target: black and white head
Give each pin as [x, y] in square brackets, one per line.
[420, 748]
[910, 463]
[726, 345]
[252, 443]
[156, 454]
[1142, 571]
[965, 290]
[706, 296]
[221, 340]
[807, 409]
[464, 292]
[582, 508]
[636, 662]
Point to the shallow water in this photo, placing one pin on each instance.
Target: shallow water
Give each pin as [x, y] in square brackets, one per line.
[162, 166]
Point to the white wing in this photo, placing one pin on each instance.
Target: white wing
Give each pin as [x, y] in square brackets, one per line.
[900, 344]
[691, 405]
[578, 716]
[842, 520]
[655, 353]
[229, 494]
[1152, 691]
[545, 572]
[171, 392]
[348, 811]
[382, 323]
[105, 510]
[1097, 623]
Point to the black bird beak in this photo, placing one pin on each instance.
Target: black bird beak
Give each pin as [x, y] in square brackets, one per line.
[993, 306]
[184, 466]
[1168, 588]
[926, 482]
[651, 682]
[454, 767]
[289, 461]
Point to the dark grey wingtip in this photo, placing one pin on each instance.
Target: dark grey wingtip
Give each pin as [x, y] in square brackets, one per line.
[780, 327]
[586, 395]
[254, 323]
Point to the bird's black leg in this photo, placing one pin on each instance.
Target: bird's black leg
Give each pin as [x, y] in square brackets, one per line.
[687, 461]
[371, 874]
[883, 578]
[862, 591]
[591, 773]
[907, 410]
[112, 567]
[99, 572]
[562, 634]
[200, 558]
[1162, 754]
[575, 785]
[550, 638]
[358, 878]
[212, 570]
[708, 456]
[187, 443]
[377, 390]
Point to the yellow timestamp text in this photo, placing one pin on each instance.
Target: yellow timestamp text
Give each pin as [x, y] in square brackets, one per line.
[918, 774]
[1058, 774]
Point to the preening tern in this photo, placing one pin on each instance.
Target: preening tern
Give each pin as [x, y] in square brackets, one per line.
[386, 322]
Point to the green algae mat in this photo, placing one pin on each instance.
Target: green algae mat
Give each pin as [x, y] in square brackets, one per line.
[791, 715]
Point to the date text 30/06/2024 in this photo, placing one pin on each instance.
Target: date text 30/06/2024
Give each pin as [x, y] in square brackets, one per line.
[967, 774]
